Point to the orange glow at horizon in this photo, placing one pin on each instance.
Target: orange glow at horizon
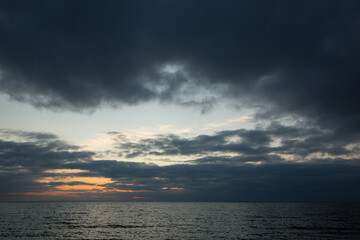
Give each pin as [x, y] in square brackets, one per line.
[172, 188]
[65, 179]
[85, 186]
[79, 187]
[122, 190]
[65, 171]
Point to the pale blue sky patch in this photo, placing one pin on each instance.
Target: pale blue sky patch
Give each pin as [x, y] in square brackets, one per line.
[142, 121]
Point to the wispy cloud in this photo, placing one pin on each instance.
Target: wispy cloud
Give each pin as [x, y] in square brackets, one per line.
[227, 122]
[101, 141]
[134, 135]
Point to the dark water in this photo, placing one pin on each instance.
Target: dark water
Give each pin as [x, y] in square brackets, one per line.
[115, 220]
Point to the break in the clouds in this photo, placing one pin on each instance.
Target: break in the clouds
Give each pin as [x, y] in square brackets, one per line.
[291, 67]
[280, 57]
[40, 166]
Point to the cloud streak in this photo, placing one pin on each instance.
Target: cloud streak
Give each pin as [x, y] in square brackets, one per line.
[226, 123]
[295, 142]
[67, 172]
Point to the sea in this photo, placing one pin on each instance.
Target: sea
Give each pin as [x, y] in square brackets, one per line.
[164, 220]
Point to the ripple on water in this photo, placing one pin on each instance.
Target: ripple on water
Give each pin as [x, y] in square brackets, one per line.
[115, 220]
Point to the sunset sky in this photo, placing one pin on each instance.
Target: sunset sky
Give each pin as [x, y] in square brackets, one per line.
[185, 100]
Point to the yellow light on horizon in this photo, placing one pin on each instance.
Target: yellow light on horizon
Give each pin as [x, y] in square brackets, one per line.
[66, 179]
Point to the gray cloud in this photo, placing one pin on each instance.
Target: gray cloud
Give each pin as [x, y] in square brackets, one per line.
[37, 136]
[217, 182]
[39, 157]
[205, 179]
[278, 56]
[253, 144]
[26, 159]
[23, 160]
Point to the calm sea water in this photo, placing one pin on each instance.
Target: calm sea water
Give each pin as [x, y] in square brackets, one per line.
[117, 220]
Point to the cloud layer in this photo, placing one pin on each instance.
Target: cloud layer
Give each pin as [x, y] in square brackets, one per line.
[40, 166]
[280, 57]
[261, 144]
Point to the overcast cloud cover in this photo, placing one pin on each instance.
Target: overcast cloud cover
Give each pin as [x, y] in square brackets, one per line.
[294, 63]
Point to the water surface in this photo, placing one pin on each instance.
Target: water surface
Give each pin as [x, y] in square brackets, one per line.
[119, 220]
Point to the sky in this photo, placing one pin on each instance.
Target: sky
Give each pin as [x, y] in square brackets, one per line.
[186, 100]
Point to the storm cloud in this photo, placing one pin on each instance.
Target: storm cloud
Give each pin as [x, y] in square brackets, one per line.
[280, 57]
[336, 181]
[294, 64]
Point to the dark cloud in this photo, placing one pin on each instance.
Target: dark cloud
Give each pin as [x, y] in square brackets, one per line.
[16, 180]
[282, 57]
[25, 159]
[30, 155]
[208, 178]
[253, 145]
[37, 136]
[337, 181]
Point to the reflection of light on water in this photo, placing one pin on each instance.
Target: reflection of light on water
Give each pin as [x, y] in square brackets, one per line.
[165, 220]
